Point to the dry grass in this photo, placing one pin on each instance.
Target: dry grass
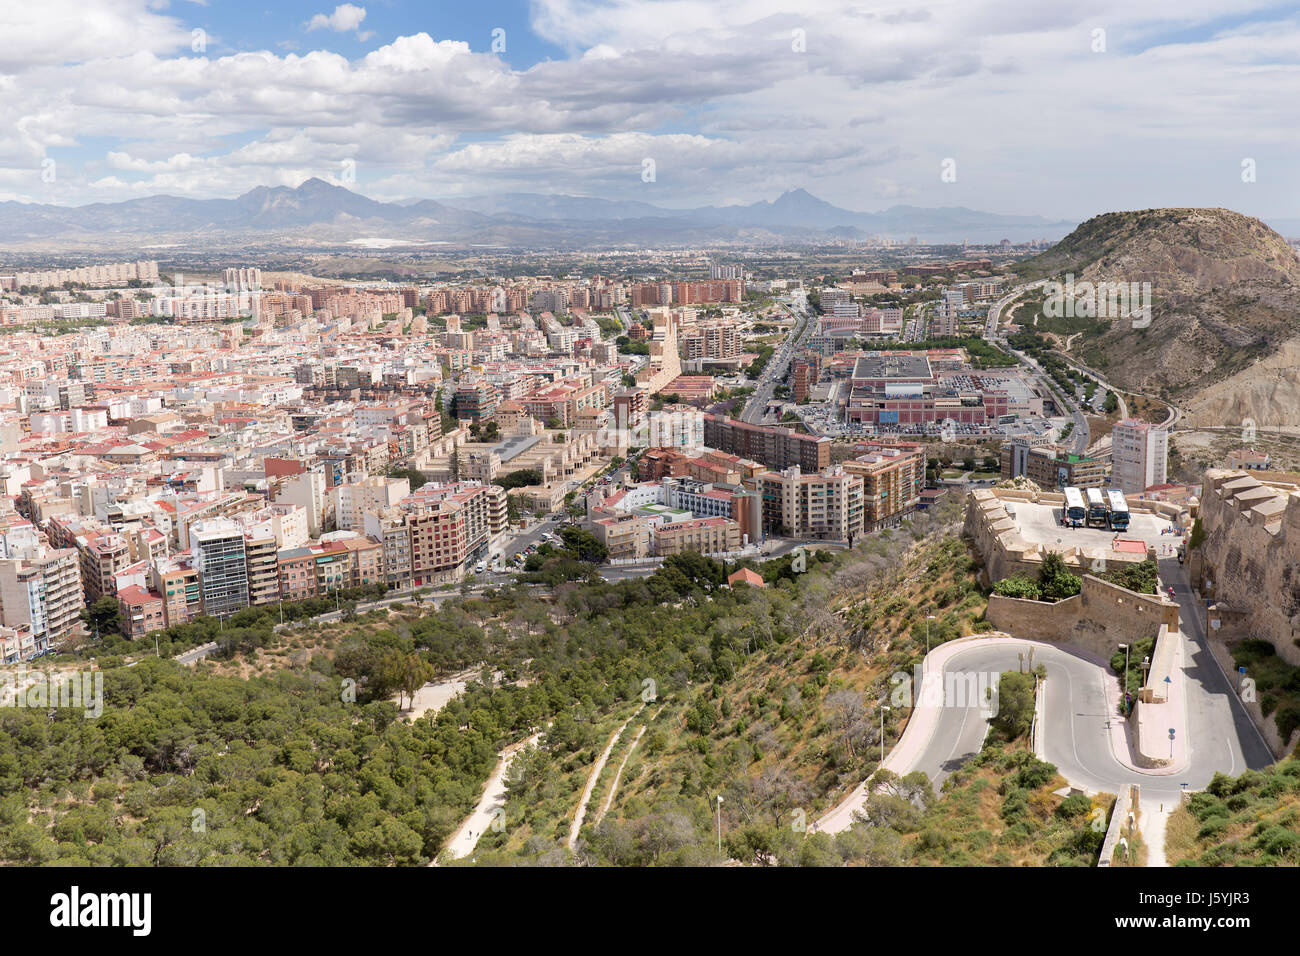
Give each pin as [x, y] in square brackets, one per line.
[1180, 835]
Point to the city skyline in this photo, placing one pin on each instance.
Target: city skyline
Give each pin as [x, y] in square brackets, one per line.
[867, 106]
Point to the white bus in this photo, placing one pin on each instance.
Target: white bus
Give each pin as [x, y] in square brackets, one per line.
[1118, 510]
[1074, 513]
[1097, 513]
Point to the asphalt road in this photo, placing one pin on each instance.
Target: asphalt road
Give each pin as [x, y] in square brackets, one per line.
[778, 366]
[1077, 717]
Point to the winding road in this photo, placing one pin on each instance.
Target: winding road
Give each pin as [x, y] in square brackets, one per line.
[1082, 732]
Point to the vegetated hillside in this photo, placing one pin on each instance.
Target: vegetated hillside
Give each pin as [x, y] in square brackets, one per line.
[310, 764]
[288, 748]
[1226, 302]
[1250, 820]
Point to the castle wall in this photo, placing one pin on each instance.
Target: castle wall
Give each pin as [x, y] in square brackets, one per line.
[1251, 556]
[1097, 619]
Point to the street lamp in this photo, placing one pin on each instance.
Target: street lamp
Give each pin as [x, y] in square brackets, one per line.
[1124, 648]
[928, 619]
[719, 823]
[883, 708]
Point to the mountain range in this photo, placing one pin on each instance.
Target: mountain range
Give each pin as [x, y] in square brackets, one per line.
[319, 213]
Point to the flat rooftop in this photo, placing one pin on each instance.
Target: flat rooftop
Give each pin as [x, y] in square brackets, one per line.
[892, 366]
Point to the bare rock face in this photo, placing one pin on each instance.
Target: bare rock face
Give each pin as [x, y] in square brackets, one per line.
[1225, 332]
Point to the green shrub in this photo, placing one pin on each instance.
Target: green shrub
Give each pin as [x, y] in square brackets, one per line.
[1075, 805]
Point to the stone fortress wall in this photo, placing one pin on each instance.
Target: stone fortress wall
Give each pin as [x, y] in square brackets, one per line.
[1097, 619]
[1251, 557]
[1006, 552]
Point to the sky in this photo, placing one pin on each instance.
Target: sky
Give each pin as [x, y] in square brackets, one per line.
[1058, 108]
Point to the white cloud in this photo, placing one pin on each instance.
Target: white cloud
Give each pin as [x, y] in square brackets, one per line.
[346, 16]
[862, 112]
[71, 31]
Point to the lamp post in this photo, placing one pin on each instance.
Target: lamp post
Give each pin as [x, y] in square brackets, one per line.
[928, 619]
[1124, 648]
[719, 823]
[883, 708]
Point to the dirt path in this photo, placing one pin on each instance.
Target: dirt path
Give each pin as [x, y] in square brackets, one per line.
[593, 777]
[1155, 822]
[618, 775]
[464, 840]
[433, 697]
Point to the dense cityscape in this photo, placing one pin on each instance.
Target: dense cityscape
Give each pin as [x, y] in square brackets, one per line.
[442, 441]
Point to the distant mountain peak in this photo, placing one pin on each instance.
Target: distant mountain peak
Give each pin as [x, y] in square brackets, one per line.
[324, 210]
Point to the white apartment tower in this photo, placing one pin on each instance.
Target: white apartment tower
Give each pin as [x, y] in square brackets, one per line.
[1139, 456]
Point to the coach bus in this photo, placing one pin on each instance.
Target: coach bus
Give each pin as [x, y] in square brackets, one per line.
[1097, 513]
[1118, 510]
[1073, 514]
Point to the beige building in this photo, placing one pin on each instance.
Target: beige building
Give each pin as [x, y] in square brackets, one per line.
[42, 594]
[825, 505]
[705, 535]
[626, 536]
[353, 500]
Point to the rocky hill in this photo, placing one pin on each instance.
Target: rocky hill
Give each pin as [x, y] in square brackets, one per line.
[1226, 309]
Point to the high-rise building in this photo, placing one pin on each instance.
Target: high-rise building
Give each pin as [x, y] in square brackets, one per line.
[242, 280]
[220, 558]
[263, 571]
[1139, 455]
[893, 476]
[776, 448]
[43, 594]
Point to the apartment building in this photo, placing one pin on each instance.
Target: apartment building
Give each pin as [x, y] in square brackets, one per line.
[220, 559]
[42, 594]
[705, 535]
[476, 401]
[260, 556]
[715, 340]
[297, 573]
[353, 500]
[178, 582]
[102, 555]
[438, 544]
[893, 477]
[825, 505]
[142, 611]
[389, 528]
[1139, 455]
[627, 536]
[774, 448]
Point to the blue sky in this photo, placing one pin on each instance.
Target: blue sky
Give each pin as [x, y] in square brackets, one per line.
[236, 27]
[1061, 108]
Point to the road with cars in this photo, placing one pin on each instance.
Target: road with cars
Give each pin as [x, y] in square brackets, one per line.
[778, 366]
[1079, 434]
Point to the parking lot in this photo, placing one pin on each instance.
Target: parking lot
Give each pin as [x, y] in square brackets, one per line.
[1041, 523]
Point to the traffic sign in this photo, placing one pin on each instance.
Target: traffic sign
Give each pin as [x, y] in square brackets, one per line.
[1171, 733]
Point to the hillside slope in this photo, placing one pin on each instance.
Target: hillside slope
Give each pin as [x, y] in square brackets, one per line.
[1226, 302]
